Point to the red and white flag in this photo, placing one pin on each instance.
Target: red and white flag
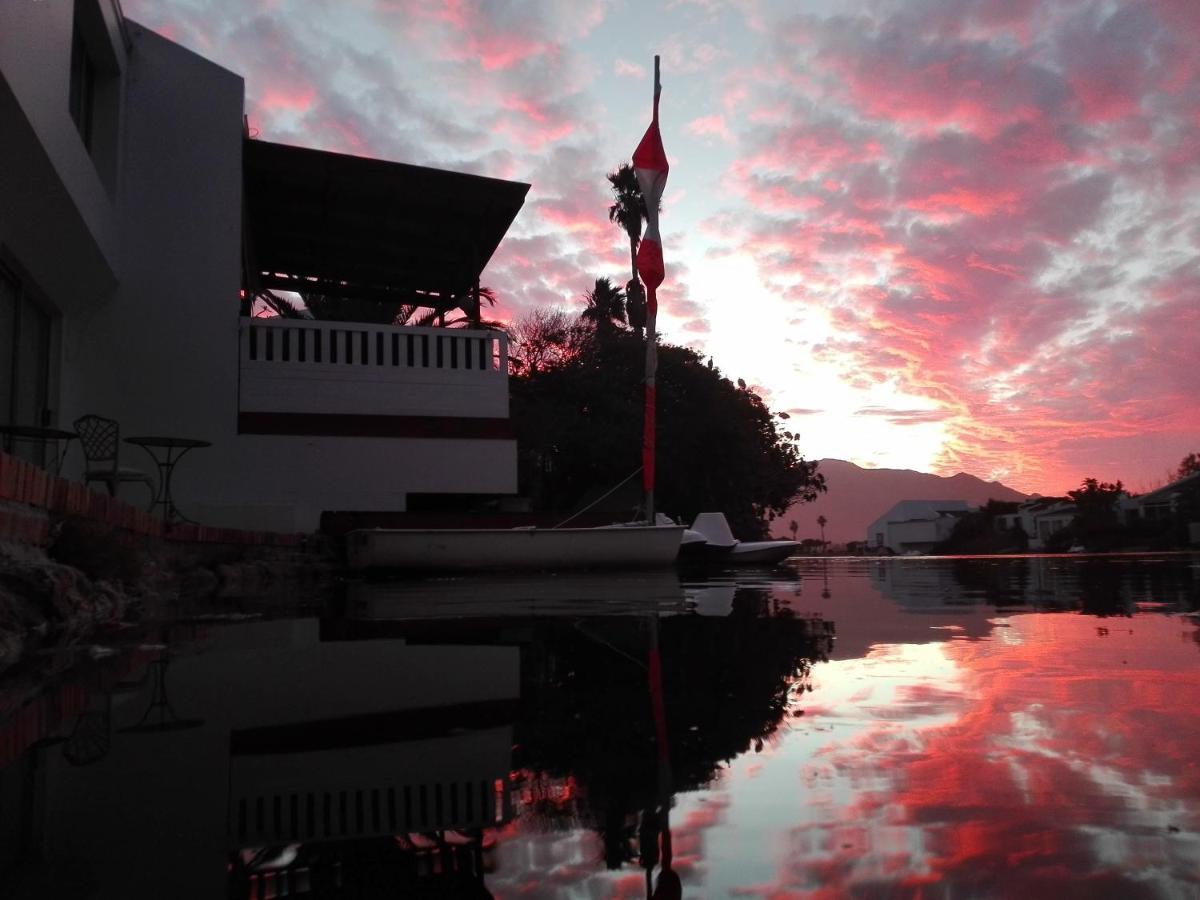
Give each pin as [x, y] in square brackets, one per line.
[650, 166]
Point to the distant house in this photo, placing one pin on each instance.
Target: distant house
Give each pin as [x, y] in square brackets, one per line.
[915, 526]
[1177, 501]
[138, 220]
[1039, 518]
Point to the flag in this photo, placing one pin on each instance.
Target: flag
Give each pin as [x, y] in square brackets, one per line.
[650, 167]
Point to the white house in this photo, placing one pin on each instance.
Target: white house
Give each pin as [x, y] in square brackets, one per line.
[1039, 518]
[137, 217]
[915, 526]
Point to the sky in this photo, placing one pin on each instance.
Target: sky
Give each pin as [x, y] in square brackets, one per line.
[946, 235]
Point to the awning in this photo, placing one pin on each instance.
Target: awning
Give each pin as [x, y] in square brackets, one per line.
[348, 226]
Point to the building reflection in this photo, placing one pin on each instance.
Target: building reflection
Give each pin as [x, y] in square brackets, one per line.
[1096, 585]
[385, 748]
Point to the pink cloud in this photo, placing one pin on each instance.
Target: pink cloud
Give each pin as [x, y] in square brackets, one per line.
[629, 69]
[713, 126]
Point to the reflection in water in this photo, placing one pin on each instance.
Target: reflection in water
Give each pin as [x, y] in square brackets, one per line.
[980, 727]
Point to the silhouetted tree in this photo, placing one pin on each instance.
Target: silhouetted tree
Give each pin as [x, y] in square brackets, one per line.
[605, 306]
[821, 520]
[1095, 524]
[1189, 465]
[545, 338]
[578, 424]
[331, 308]
[629, 211]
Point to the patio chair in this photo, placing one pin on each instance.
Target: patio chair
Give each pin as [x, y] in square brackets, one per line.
[101, 442]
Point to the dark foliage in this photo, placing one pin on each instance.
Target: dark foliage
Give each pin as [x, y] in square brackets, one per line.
[979, 532]
[579, 430]
[1189, 465]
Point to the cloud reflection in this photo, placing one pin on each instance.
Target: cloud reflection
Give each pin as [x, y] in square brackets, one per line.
[1060, 761]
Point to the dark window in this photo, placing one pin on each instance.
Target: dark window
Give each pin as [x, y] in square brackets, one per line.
[25, 329]
[83, 87]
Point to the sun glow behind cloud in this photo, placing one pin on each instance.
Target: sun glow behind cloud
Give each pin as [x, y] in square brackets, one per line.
[980, 216]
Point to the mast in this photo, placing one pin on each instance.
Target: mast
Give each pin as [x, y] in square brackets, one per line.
[650, 165]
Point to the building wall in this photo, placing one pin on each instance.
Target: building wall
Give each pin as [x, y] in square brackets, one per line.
[57, 207]
[914, 525]
[144, 266]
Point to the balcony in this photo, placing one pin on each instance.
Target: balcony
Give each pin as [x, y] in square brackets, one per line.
[301, 370]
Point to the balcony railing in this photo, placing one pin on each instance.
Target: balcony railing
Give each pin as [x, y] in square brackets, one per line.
[307, 366]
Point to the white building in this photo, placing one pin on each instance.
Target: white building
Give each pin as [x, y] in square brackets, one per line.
[136, 217]
[915, 526]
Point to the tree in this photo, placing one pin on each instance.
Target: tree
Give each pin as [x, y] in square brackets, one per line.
[578, 425]
[545, 339]
[822, 521]
[629, 211]
[1097, 498]
[1189, 465]
[327, 307]
[1096, 503]
[605, 306]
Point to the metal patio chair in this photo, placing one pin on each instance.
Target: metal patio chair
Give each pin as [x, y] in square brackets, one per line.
[101, 442]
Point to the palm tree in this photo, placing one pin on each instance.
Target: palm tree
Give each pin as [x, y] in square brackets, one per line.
[821, 520]
[629, 211]
[605, 306]
[353, 309]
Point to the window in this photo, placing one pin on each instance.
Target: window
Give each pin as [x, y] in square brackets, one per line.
[83, 87]
[94, 88]
[25, 332]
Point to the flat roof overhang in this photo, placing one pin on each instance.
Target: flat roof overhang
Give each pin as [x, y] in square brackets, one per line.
[348, 226]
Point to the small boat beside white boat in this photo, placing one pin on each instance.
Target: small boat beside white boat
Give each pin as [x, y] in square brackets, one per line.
[507, 549]
[723, 548]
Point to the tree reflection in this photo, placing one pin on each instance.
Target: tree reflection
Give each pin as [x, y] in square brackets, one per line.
[726, 683]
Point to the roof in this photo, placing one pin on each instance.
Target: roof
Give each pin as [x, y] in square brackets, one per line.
[1164, 493]
[350, 226]
[922, 510]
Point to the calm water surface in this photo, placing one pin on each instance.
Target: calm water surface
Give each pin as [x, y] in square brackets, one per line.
[833, 728]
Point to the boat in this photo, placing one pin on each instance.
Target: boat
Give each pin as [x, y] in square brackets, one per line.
[481, 549]
[723, 548]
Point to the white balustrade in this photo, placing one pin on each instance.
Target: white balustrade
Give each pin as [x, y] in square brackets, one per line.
[308, 366]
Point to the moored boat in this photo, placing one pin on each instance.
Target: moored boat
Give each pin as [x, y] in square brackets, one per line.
[466, 549]
[725, 549]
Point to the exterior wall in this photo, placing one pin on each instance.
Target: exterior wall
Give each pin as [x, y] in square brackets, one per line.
[58, 206]
[914, 525]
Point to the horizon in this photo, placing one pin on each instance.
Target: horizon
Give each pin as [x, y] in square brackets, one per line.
[943, 237]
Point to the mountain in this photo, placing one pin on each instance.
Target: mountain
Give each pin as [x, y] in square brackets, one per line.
[858, 496]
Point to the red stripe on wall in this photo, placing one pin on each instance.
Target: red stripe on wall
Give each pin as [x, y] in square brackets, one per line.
[339, 425]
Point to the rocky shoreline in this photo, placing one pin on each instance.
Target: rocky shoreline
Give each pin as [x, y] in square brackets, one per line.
[92, 578]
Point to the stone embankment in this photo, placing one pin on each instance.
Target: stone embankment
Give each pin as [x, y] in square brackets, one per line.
[75, 562]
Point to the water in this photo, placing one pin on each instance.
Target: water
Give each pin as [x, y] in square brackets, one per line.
[869, 728]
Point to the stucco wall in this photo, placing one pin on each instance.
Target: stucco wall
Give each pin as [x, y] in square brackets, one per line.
[58, 221]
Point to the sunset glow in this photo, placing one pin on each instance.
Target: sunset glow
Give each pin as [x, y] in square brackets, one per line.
[943, 235]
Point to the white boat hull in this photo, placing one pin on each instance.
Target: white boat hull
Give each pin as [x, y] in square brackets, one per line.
[759, 553]
[417, 549]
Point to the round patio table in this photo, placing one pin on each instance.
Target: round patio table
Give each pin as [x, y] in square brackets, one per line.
[40, 435]
[166, 453]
